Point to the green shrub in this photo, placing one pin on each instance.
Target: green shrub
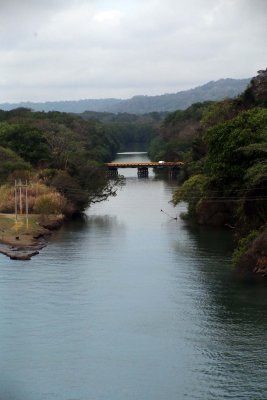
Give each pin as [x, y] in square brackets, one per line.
[50, 203]
[191, 191]
[243, 246]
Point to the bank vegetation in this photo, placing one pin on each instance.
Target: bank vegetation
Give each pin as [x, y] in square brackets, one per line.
[224, 145]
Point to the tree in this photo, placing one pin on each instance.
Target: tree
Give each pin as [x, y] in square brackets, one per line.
[226, 160]
[192, 191]
[26, 140]
[10, 162]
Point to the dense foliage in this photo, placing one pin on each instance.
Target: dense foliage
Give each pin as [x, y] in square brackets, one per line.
[177, 133]
[235, 145]
[227, 164]
[129, 129]
[62, 151]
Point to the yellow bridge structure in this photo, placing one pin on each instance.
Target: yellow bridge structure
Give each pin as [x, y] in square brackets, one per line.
[143, 167]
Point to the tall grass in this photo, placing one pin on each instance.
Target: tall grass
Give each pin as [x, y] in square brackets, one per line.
[41, 200]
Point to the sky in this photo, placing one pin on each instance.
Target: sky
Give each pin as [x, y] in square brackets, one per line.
[78, 49]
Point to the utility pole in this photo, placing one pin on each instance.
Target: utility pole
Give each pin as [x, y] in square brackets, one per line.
[26, 206]
[20, 198]
[16, 206]
[18, 191]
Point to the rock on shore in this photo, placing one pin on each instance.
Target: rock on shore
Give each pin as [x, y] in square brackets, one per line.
[254, 261]
[20, 253]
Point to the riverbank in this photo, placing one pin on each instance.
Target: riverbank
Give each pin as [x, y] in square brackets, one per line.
[21, 242]
[253, 261]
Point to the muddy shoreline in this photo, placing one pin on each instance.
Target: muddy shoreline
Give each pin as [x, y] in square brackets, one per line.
[21, 253]
[24, 246]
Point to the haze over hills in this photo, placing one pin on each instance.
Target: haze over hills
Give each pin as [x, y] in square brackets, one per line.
[213, 90]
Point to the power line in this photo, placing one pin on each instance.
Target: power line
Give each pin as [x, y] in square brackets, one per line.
[227, 200]
[211, 197]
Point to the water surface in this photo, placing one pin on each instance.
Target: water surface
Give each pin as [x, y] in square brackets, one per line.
[131, 304]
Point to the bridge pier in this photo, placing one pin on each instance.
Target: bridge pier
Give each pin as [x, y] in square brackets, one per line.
[142, 172]
[112, 172]
[143, 167]
[172, 172]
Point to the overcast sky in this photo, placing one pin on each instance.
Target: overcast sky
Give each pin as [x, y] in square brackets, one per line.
[74, 49]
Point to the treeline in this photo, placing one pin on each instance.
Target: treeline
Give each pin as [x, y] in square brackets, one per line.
[224, 145]
[60, 154]
[177, 133]
[129, 129]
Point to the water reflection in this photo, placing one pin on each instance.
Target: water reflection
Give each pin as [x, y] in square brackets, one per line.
[229, 325]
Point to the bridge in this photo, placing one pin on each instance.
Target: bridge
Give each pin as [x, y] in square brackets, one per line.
[142, 167]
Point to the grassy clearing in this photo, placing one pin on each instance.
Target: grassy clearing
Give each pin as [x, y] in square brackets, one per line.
[46, 208]
[16, 233]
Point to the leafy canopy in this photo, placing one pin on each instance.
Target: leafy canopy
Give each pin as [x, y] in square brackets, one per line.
[26, 140]
[226, 161]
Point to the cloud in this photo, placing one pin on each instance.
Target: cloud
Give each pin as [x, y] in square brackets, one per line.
[75, 49]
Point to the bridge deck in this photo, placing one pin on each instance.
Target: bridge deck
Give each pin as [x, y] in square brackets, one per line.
[177, 164]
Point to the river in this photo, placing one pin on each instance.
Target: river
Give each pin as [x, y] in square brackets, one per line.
[129, 304]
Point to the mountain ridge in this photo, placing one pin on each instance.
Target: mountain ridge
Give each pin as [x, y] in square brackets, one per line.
[140, 104]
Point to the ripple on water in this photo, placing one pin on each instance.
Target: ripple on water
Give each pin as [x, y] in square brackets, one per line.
[129, 304]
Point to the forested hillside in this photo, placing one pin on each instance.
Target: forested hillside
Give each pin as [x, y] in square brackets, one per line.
[214, 90]
[224, 145]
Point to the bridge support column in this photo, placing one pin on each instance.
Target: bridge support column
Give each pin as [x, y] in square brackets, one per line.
[112, 172]
[172, 172]
[142, 172]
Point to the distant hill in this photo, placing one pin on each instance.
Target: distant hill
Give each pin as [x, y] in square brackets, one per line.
[213, 90]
